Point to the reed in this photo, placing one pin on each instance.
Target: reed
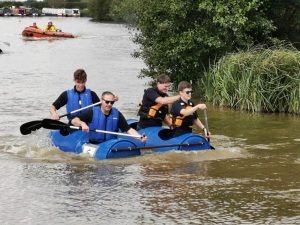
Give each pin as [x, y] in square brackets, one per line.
[258, 80]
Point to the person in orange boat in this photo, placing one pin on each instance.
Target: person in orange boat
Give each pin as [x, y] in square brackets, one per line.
[50, 27]
[34, 25]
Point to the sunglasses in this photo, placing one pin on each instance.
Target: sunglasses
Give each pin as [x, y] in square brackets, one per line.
[108, 102]
[189, 92]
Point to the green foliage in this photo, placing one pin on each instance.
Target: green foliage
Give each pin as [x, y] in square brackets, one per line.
[261, 80]
[99, 9]
[181, 37]
[124, 10]
[77, 4]
[56, 3]
[85, 13]
[286, 18]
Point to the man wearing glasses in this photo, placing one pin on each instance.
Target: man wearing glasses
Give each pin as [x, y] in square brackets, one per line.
[154, 107]
[104, 117]
[183, 111]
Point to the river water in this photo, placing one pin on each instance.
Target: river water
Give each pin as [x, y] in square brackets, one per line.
[251, 178]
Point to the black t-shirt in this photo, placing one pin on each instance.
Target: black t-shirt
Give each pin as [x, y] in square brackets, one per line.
[87, 117]
[63, 99]
[187, 121]
[150, 95]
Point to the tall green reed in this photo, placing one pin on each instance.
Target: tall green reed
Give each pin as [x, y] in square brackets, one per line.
[258, 80]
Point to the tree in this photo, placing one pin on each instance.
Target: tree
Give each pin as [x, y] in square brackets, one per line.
[182, 37]
[286, 18]
[99, 9]
[56, 3]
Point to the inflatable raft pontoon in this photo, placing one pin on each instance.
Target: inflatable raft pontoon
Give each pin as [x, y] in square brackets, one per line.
[78, 142]
[158, 139]
[160, 136]
[39, 33]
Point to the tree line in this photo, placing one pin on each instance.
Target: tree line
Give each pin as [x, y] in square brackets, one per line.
[190, 40]
[187, 39]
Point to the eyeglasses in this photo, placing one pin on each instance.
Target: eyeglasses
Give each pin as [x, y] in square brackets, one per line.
[108, 102]
[189, 92]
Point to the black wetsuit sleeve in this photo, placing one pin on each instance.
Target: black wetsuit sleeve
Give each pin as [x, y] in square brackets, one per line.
[151, 94]
[95, 97]
[61, 100]
[122, 123]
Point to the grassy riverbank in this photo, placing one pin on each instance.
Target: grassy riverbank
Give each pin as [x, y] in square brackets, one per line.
[258, 80]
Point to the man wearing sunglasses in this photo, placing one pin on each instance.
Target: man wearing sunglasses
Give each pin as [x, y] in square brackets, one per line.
[104, 117]
[154, 107]
[75, 98]
[183, 112]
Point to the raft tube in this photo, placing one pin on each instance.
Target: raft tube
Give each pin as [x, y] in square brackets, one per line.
[39, 33]
[78, 142]
[160, 136]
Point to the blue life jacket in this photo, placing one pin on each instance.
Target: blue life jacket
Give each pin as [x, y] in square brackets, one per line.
[102, 122]
[78, 100]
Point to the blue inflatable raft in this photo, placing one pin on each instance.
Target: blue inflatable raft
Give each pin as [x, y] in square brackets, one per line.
[159, 139]
[78, 142]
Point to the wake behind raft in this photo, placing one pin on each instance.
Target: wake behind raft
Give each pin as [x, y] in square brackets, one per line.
[157, 139]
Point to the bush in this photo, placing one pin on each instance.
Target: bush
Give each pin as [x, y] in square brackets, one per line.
[261, 80]
[181, 37]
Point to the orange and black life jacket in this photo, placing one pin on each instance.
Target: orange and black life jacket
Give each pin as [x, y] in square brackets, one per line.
[157, 111]
[152, 110]
[178, 120]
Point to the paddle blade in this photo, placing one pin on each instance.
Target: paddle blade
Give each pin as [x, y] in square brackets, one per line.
[27, 128]
[65, 131]
[53, 124]
[166, 134]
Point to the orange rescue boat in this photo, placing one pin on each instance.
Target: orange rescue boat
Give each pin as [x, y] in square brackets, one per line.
[39, 33]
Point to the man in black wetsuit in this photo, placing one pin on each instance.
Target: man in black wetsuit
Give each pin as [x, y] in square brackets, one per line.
[184, 115]
[154, 107]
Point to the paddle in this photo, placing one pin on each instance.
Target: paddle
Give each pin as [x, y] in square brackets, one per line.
[28, 127]
[58, 125]
[166, 134]
[78, 110]
[206, 126]
[156, 146]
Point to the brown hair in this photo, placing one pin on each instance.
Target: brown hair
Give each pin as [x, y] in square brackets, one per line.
[80, 74]
[184, 84]
[107, 93]
[163, 78]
